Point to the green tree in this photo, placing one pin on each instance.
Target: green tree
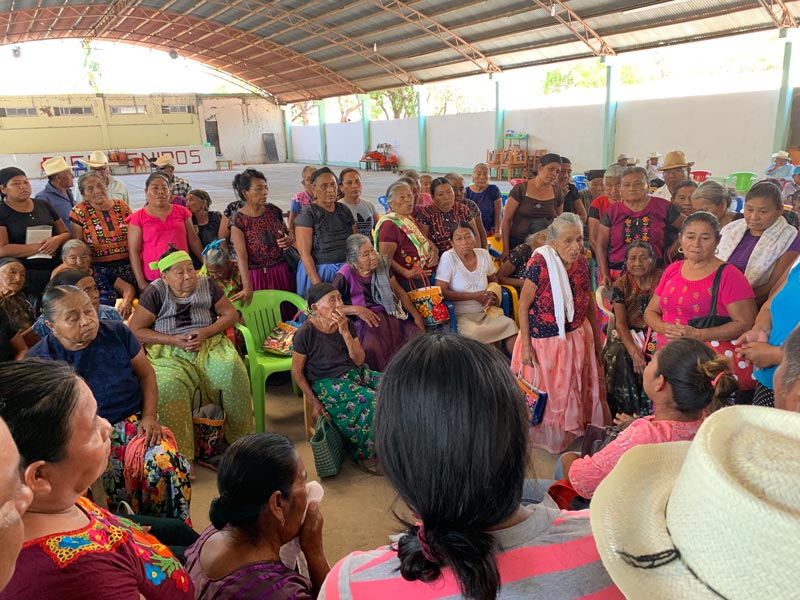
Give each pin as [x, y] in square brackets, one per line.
[586, 75]
[92, 66]
[397, 103]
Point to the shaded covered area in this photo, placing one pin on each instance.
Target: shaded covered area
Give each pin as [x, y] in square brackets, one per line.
[303, 50]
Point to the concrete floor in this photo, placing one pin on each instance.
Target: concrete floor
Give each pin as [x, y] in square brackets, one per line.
[357, 507]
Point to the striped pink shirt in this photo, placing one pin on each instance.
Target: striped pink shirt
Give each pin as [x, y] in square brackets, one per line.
[550, 555]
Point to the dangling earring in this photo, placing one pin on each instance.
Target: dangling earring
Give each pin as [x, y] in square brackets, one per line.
[283, 521]
[716, 251]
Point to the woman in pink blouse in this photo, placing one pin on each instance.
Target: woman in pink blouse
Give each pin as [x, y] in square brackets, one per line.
[152, 229]
[686, 381]
[684, 292]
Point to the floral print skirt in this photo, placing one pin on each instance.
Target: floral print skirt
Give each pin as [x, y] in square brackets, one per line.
[350, 400]
[164, 489]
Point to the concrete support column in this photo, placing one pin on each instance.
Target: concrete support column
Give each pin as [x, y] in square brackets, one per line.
[499, 118]
[422, 132]
[366, 134]
[323, 135]
[610, 121]
[287, 128]
[783, 117]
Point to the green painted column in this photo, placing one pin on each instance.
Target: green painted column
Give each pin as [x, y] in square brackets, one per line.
[366, 134]
[323, 135]
[499, 117]
[783, 117]
[610, 121]
[422, 133]
[287, 127]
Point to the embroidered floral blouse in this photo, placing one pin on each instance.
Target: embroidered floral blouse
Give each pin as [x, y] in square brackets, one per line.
[542, 317]
[105, 231]
[110, 557]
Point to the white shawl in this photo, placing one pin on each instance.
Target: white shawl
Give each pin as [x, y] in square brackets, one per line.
[563, 303]
[770, 246]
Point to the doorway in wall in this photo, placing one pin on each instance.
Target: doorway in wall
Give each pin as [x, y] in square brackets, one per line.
[212, 135]
[270, 147]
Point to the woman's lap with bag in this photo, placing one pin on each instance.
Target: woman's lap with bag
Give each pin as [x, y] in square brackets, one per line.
[350, 401]
[161, 464]
[220, 375]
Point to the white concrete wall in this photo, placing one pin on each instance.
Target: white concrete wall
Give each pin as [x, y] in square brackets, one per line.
[459, 141]
[574, 131]
[345, 141]
[241, 121]
[400, 133]
[722, 133]
[305, 143]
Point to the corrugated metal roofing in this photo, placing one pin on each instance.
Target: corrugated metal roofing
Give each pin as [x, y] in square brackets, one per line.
[309, 49]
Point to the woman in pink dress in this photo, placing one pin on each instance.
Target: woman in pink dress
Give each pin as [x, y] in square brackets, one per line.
[156, 227]
[559, 347]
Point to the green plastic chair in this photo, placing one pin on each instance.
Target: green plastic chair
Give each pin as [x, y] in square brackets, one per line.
[260, 318]
[741, 181]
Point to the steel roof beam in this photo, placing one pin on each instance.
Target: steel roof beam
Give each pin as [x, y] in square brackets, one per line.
[570, 19]
[779, 13]
[445, 35]
[293, 20]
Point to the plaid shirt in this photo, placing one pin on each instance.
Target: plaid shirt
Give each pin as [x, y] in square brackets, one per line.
[180, 187]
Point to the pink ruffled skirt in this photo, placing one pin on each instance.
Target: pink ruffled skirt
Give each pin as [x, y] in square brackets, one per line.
[576, 395]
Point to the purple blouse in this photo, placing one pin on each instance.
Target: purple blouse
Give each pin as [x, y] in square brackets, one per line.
[269, 580]
[741, 254]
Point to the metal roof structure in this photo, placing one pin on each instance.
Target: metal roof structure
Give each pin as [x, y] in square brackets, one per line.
[299, 50]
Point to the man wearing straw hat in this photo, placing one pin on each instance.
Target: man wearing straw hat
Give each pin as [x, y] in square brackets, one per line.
[780, 168]
[675, 170]
[98, 162]
[653, 174]
[715, 518]
[58, 191]
[180, 187]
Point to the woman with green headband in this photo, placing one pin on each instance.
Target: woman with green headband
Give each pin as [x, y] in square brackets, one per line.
[181, 320]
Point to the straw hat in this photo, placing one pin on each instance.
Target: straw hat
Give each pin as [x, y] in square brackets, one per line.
[622, 157]
[98, 159]
[675, 160]
[781, 154]
[654, 155]
[715, 518]
[165, 160]
[54, 165]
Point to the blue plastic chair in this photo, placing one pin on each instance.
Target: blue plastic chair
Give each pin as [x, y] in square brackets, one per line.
[78, 168]
[580, 182]
[383, 203]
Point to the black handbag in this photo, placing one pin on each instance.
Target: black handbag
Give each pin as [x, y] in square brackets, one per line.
[292, 257]
[712, 319]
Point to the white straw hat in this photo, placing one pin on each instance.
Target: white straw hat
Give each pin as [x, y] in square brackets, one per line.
[98, 159]
[54, 165]
[718, 517]
[781, 154]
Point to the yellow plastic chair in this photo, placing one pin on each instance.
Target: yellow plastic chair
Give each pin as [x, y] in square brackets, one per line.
[260, 318]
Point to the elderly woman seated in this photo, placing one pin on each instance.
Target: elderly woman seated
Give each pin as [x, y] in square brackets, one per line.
[624, 355]
[512, 269]
[84, 282]
[466, 276]
[762, 245]
[464, 436]
[263, 503]
[399, 238]
[113, 291]
[221, 268]
[328, 366]
[73, 548]
[114, 366]
[181, 319]
[385, 316]
[12, 297]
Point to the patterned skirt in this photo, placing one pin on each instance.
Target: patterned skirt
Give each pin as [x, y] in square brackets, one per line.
[164, 489]
[624, 388]
[350, 400]
[214, 375]
[570, 375]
